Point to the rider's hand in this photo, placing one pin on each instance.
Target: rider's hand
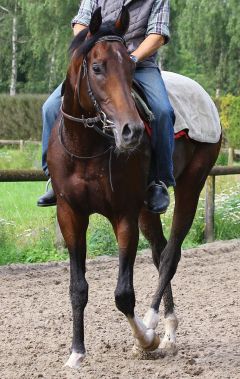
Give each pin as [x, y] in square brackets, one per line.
[134, 59]
[77, 28]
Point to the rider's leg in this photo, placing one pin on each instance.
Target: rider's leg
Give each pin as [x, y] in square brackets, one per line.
[162, 137]
[50, 111]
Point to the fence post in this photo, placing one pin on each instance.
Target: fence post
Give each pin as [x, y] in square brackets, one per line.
[230, 156]
[21, 144]
[209, 209]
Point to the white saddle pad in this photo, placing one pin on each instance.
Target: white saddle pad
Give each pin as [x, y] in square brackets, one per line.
[194, 108]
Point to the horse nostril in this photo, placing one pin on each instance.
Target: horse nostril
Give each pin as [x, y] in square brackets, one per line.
[126, 132]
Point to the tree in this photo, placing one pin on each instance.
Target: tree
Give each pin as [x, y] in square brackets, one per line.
[13, 84]
[9, 24]
[13, 50]
[230, 116]
[233, 31]
[35, 36]
[50, 36]
[205, 43]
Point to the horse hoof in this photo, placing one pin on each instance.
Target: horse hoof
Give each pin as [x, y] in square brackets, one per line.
[155, 341]
[168, 348]
[154, 345]
[75, 360]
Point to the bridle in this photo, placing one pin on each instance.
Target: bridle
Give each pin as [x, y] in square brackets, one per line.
[92, 122]
[101, 117]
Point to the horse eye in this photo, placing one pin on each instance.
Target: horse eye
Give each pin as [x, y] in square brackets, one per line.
[97, 68]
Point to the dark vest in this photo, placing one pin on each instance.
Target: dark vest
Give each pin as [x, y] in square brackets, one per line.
[139, 14]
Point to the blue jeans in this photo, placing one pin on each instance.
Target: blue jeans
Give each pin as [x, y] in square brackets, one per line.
[162, 139]
[50, 111]
[162, 127]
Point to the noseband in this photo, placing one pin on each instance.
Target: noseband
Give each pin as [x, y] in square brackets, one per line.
[101, 116]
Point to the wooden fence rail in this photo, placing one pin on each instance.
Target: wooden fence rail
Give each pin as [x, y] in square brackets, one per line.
[38, 176]
[22, 176]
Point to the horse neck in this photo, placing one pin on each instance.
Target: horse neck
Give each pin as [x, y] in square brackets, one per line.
[81, 140]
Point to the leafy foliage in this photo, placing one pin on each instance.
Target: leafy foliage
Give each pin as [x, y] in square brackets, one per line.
[44, 34]
[230, 119]
[204, 45]
[20, 116]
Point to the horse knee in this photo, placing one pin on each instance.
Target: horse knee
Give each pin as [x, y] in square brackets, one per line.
[79, 294]
[125, 301]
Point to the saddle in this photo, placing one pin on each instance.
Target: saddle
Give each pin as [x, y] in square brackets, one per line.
[145, 112]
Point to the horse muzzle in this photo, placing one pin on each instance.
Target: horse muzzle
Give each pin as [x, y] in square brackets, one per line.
[129, 136]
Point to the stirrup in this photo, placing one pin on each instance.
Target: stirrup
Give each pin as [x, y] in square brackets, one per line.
[48, 184]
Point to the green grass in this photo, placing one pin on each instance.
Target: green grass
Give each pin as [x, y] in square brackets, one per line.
[222, 159]
[27, 232]
[29, 158]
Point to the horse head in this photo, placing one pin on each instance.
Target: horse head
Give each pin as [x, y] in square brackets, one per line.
[101, 74]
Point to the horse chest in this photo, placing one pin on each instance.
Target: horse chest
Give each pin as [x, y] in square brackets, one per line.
[88, 191]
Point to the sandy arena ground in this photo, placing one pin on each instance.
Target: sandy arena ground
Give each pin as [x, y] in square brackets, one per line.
[35, 322]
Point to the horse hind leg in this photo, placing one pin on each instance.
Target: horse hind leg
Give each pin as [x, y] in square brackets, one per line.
[195, 176]
[189, 186]
[168, 343]
[151, 227]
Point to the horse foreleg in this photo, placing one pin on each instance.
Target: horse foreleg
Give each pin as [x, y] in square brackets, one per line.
[74, 229]
[127, 235]
[151, 227]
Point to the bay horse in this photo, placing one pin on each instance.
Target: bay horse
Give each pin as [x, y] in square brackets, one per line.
[98, 158]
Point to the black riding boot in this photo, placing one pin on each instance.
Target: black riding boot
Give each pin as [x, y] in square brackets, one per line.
[157, 197]
[48, 199]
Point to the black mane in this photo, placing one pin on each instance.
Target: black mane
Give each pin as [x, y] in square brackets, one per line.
[81, 46]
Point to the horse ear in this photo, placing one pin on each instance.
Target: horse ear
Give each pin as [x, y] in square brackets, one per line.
[96, 21]
[123, 20]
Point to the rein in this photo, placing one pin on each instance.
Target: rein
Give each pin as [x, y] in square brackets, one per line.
[110, 149]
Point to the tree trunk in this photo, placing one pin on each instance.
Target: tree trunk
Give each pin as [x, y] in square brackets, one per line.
[52, 72]
[13, 84]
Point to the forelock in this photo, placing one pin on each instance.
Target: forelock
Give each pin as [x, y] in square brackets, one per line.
[81, 46]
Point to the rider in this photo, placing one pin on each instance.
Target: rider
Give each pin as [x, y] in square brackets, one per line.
[147, 32]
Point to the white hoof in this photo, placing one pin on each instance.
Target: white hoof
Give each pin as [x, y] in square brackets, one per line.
[75, 360]
[150, 343]
[168, 343]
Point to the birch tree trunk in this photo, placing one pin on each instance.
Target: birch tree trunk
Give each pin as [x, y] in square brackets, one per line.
[13, 84]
